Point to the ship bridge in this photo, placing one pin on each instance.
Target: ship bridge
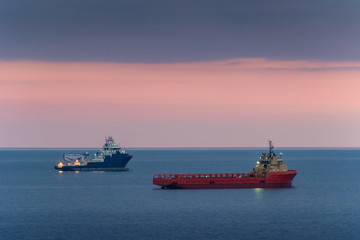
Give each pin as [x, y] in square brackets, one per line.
[270, 162]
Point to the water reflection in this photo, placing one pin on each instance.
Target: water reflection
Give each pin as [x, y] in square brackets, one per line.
[258, 193]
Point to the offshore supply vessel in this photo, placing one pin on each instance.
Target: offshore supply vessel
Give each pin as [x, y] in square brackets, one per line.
[110, 158]
[269, 172]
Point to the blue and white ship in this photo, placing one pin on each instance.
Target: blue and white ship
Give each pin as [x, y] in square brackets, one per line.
[110, 158]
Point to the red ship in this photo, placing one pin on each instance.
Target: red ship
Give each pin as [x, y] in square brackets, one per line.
[270, 172]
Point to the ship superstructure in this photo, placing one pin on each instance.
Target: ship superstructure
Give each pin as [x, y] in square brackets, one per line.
[270, 172]
[270, 162]
[110, 158]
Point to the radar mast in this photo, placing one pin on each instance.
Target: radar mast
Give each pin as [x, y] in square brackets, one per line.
[271, 148]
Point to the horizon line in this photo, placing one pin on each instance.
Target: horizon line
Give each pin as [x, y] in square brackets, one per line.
[181, 148]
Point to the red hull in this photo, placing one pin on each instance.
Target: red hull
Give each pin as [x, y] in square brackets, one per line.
[225, 180]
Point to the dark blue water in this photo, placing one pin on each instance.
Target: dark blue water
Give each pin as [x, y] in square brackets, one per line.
[37, 202]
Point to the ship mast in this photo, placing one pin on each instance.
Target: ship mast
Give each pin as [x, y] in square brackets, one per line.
[271, 148]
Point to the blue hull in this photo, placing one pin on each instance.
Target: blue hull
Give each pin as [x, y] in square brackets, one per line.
[116, 162]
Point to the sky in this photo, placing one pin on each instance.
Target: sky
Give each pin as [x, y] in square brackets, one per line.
[179, 73]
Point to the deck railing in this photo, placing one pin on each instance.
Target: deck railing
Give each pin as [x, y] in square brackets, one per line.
[210, 175]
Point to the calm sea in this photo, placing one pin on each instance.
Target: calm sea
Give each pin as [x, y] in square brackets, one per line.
[38, 202]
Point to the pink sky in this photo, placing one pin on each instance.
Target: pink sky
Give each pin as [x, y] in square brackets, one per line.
[230, 103]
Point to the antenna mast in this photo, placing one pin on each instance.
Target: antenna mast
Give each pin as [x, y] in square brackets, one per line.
[270, 148]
